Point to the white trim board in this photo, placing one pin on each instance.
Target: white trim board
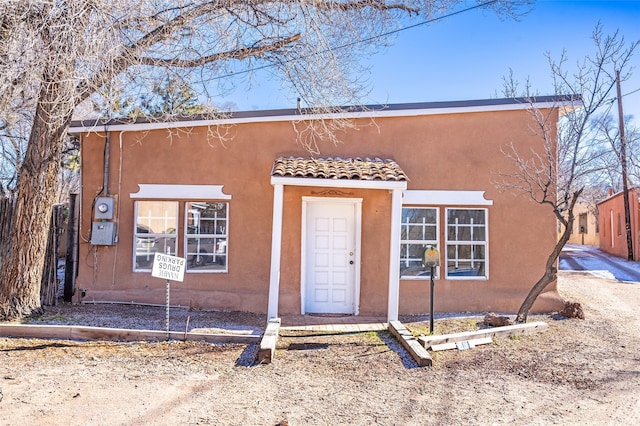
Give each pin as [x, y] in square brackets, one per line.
[175, 192]
[448, 198]
[276, 251]
[339, 183]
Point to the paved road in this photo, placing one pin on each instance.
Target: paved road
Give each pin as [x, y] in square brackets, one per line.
[588, 258]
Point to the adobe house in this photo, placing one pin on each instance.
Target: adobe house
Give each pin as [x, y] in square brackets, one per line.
[586, 229]
[613, 234]
[266, 227]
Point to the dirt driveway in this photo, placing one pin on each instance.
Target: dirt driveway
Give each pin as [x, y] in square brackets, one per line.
[577, 372]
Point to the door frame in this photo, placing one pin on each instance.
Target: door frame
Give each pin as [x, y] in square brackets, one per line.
[357, 204]
[394, 187]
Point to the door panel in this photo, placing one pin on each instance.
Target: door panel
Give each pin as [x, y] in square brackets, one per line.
[330, 253]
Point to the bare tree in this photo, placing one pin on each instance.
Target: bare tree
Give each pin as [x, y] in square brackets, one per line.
[166, 98]
[65, 50]
[15, 125]
[632, 135]
[608, 135]
[556, 172]
[12, 146]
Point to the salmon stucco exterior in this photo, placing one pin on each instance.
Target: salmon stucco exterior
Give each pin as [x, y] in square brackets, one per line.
[266, 227]
[611, 217]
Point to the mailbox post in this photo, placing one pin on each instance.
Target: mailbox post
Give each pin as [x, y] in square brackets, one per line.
[431, 258]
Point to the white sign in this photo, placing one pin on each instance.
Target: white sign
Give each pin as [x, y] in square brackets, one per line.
[168, 267]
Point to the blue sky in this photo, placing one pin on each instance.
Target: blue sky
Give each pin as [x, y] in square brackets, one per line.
[465, 56]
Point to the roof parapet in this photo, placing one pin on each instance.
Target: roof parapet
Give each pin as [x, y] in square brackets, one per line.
[565, 103]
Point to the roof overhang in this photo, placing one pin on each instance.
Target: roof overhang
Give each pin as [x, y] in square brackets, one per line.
[339, 183]
[617, 194]
[365, 173]
[296, 115]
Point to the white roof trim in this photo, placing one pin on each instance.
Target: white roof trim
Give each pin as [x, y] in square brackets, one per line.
[339, 183]
[448, 198]
[175, 192]
[373, 113]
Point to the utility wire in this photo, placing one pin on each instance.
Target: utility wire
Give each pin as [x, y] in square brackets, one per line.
[428, 21]
[633, 91]
[615, 98]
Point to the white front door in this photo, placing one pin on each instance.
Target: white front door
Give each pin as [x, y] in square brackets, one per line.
[330, 259]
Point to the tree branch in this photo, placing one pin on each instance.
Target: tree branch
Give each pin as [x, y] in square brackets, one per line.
[375, 4]
[239, 54]
[130, 52]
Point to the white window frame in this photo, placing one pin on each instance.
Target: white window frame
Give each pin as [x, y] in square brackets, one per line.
[155, 235]
[435, 242]
[484, 243]
[186, 237]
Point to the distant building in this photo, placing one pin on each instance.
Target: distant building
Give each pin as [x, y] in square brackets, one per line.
[586, 229]
[613, 235]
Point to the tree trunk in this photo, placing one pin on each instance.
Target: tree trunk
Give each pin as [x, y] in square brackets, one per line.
[23, 254]
[551, 271]
[550, 275]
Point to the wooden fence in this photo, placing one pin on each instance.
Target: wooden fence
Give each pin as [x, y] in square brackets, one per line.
[6, 216]
[50, 283]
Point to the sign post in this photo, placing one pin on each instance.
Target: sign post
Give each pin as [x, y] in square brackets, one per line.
[431, 258]
[166, 320]
[170, 268]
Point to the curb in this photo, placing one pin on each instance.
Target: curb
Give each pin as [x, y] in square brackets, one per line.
[117, 334]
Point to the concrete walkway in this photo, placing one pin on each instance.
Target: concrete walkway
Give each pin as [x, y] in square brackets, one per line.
[592, 259]
[345, 323]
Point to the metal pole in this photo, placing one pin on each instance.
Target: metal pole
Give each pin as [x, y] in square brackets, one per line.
[167, 319]
[431, 303]
[623, 165]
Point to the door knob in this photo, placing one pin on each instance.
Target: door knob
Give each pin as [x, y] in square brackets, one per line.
[351, 262]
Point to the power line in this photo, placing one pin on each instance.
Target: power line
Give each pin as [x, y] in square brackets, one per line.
[633, 91]
[428, 21]
[615, 98]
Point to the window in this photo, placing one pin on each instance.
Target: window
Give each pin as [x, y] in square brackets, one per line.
[419, 229]
[206, 236]
[156, 224]
[466, 254]
[583, 224]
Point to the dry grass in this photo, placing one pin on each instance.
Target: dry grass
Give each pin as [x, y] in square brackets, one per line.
[577, 372]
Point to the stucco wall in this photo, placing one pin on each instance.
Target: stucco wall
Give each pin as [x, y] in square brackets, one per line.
[437, 152]
[591, 235]
[613, 237]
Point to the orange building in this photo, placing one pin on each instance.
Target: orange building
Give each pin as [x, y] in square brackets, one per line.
[613, 234]
[266, 227]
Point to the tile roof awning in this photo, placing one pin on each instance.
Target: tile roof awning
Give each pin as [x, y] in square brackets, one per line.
[359, 169]
[336, 173]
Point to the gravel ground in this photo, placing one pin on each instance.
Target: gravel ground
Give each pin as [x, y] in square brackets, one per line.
[577, 372]
[144, 317]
